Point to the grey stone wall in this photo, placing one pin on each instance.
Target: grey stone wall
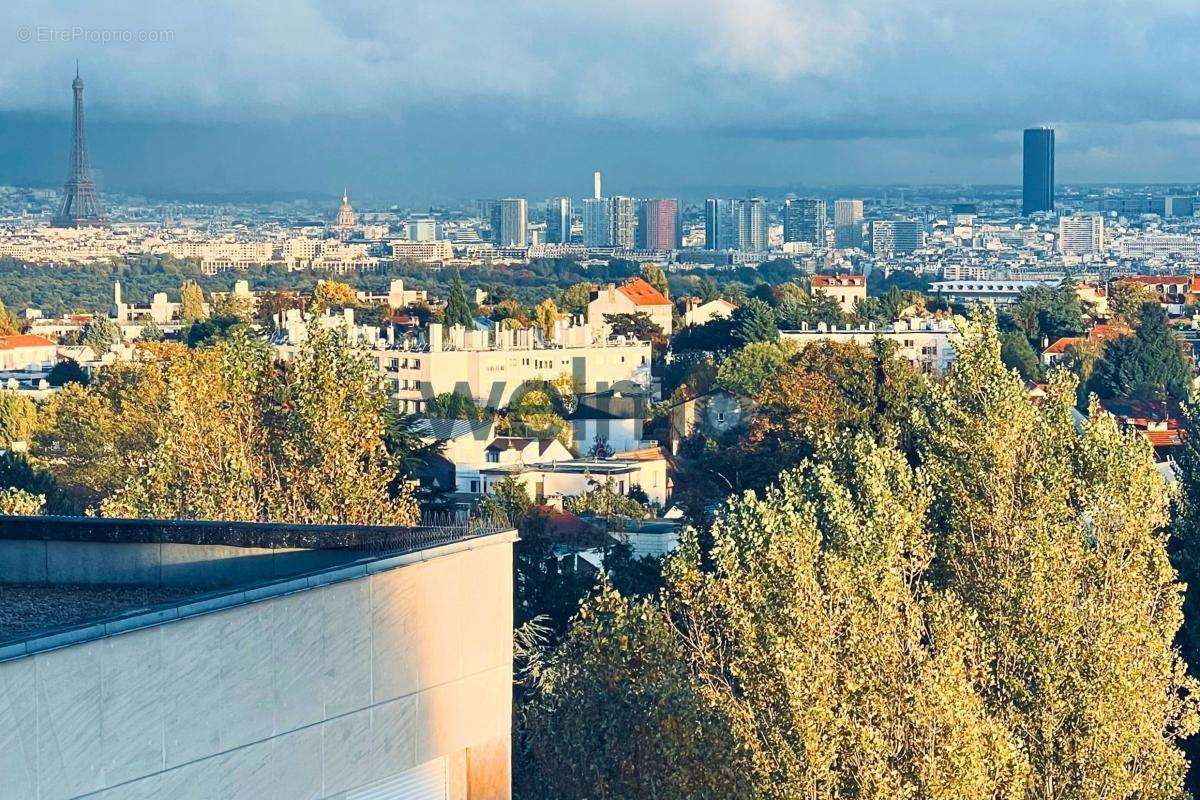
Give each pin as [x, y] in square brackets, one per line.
[306, 695]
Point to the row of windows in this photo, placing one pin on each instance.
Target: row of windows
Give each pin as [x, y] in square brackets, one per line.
[395, 364]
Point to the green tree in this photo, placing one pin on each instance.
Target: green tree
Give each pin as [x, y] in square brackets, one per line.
[1051, 312]
[100, 334]
[752, 367]
[1126, 299]
[1149, 365]
[637, 325]
[754, 321]
[18, 418]
[995, 623]
[574, 299]
[451, 405]
[459, 310]
[1016, 353]
[1027, 511]
[508, 503]
[9, 324]
[654, 275]
[191, 302]
[545, 315]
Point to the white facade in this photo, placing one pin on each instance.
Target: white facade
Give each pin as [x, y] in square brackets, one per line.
[1081, 235]
[925, 343]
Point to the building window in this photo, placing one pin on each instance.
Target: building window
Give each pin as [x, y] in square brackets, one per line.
[474, 487]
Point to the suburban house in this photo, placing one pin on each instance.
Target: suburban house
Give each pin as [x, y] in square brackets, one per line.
[613, 416]
[552, 481]
[846, 289]
[710, 415]
[634, 296]
[698, 313]
[1054, 352]
[1174, 291]
[24, 352]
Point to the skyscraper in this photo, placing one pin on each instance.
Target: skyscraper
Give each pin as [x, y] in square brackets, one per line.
[623, 219]
[720, 228]
[752, 230]
[513, 230]
[804, 221]
[1037, 187]
[658, 225]
[847, 223]
[597, 227]
[79, 205]
[558, 220]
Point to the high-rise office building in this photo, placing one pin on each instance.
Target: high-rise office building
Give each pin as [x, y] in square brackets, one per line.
[623, 220]
[422, 229]
[558, 220]
[720, 224]
[513, 227]
[597, 225]
[752, 229]
[804, 221]
[1037, 186]
[847, 223]
[1179, 206]
[1081, 234]
[893, 236]
[659, 225]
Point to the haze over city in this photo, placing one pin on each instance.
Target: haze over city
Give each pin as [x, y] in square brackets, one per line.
[431, 101]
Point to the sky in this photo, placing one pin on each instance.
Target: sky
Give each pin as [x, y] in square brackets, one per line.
[417, 101]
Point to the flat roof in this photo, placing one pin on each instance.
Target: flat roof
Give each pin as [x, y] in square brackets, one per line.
[77, 580]
[26, 608]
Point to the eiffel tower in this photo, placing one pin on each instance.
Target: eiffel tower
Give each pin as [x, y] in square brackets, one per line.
[79, 206]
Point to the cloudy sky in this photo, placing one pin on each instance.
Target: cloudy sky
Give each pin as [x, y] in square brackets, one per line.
[420, 100]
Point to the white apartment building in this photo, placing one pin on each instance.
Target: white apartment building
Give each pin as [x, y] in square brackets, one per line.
[422, 250]
[489, 366]
[925, 343]
[998, 292]
[1081, 235]
[1160, 245]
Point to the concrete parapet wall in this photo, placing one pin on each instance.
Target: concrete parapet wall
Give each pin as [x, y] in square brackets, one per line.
[309, 694]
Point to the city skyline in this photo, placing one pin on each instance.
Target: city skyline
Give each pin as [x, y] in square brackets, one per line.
[789, 94]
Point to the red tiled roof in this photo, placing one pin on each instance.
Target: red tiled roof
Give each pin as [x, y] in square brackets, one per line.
[642, 293]
[24, 340]
[1061, 345]
[1168, 438]
[1106, 333]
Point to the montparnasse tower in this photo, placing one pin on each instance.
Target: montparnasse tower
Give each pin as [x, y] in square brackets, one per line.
[79, 206]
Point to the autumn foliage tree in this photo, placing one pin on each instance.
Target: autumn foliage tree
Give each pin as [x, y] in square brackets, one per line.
[224, 432]
[989, 615]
